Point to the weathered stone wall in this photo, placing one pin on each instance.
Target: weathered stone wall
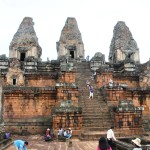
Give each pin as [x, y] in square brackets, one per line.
[40, 81]
[114, 95]
[67, 77]
[28, 110]
[131, 82]
[74, 121]
[17, 74]
[147, 105]
[68, 114]
[1, 104]
[128, 119]
[127, 87]
[103, 79]
[67, 93]
[145, 75]
[140, 99]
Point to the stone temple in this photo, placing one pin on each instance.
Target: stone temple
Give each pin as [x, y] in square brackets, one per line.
[36, 95]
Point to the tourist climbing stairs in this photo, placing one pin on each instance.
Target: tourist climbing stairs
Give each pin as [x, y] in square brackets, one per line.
[96, 119]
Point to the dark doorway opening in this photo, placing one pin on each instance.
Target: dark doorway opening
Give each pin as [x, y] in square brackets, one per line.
[72, 54]
[22, 56]
[14, 81]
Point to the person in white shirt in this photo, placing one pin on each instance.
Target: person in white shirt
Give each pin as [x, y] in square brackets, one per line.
[60, 131]
[110, 83]
[111, 137]
[65, 133]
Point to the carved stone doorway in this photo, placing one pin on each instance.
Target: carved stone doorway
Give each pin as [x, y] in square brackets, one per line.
[22, 56]
[72, 54]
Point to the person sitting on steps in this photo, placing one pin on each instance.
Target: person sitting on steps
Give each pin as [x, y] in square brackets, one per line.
[60, 132]
[48, 135]
[69, 133]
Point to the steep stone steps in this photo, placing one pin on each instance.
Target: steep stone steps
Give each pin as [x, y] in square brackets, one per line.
[95, 116]
[92, 123]
[90, 135]
[95, 129]
[95, 113]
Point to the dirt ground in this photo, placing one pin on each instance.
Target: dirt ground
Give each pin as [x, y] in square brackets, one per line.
[37, 142]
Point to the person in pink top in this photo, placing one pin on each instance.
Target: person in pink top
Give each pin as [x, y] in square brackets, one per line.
[103, 144]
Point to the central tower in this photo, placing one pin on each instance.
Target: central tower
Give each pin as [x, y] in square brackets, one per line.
[70, 42]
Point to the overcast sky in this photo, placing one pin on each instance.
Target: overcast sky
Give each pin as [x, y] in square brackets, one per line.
[96, 20]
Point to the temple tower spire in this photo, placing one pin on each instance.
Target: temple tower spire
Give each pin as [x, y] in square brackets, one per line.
[70, 42]
[123, 46]
[25, 42]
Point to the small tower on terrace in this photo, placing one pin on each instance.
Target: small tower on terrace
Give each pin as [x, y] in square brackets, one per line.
[70, 42]
[25, 42]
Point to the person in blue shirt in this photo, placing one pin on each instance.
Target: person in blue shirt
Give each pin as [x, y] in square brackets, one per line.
[20, 145]
[69, 133]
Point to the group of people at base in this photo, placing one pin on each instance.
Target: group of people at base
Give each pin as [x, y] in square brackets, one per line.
[67, 133]
[104, 143]
[107, 143]
[61, 133]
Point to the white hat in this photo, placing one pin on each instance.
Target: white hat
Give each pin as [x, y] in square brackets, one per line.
[48, 129]
[69, 128]
[137, 141]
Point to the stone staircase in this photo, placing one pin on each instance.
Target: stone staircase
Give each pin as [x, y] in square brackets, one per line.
[96, 119]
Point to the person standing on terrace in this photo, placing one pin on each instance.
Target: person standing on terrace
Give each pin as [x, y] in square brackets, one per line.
[111, 137]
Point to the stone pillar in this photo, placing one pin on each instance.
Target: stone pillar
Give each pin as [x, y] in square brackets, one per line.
[2, 130]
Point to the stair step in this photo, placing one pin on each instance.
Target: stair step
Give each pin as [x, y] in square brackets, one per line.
[100, 111]
[89, 129]
[95, 116]
[97, 124]
[93, 121]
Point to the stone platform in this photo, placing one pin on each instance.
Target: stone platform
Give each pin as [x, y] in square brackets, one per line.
[36, 142]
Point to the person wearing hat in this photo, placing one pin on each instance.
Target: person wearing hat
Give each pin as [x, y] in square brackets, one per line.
[48, 135]
[137, 143]
[69, 133]
[48, 132]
